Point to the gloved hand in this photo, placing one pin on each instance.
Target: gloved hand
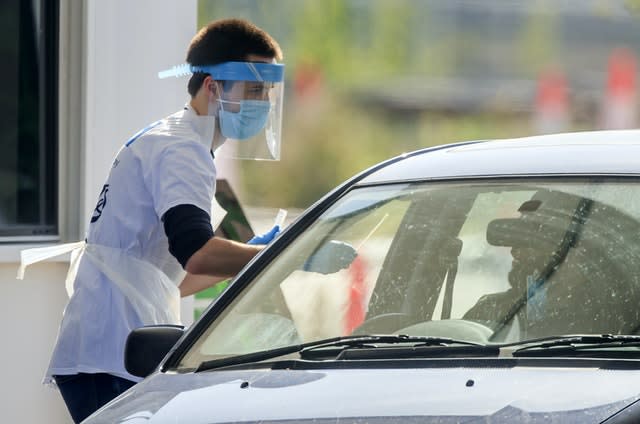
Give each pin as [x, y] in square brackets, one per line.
[267, 237]
[331, 257]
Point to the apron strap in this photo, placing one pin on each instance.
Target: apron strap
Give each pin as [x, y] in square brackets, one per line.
[39, 254]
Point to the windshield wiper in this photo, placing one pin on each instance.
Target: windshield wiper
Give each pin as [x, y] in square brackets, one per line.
[559, 345]
[345, 342]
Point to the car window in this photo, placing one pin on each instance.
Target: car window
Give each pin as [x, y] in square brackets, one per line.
[484, 261]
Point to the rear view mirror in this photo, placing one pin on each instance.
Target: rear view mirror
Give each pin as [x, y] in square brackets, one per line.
[147, 346]
[526, 233]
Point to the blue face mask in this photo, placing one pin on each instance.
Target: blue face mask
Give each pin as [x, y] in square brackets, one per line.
[247, 122]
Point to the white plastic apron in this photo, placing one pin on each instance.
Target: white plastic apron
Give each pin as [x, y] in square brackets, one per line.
[152, 294]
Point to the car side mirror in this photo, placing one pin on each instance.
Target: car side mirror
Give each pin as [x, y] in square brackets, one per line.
[147, 346]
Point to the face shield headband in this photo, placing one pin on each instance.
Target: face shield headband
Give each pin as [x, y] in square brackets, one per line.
[249, 106]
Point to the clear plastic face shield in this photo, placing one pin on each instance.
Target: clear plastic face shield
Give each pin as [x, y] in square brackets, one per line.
[247, 102]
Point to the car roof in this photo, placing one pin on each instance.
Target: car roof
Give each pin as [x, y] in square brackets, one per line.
[614, 152]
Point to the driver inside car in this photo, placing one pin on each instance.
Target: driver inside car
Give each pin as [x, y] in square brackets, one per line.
[522, 304]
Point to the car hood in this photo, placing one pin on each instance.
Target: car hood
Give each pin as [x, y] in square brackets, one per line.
[442, 395]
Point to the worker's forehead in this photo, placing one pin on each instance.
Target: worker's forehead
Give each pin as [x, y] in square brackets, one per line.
[261, 59]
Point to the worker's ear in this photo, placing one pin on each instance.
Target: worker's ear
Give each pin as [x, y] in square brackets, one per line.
[212, 87]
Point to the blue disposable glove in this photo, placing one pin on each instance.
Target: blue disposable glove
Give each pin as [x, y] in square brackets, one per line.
[267, 237]
[331, 257]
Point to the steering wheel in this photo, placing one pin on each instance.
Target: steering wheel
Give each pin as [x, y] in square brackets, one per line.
[453, 328]
[386, 323]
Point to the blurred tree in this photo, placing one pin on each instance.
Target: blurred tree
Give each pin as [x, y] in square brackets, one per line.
[633, 6]
[392, 38]
[536, 47]
[320, 36]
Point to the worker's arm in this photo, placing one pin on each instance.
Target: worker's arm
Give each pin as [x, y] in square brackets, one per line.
[221, 257]
[193, 283]
[192, 243]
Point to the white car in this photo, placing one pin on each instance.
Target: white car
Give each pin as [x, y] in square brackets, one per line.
[493, 281]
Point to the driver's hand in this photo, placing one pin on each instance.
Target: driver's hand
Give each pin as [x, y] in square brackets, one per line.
[331, 257]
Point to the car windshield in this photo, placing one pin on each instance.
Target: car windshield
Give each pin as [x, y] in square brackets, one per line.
[492, 262]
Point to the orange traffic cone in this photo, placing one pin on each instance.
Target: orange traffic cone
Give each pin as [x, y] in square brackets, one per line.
[551, 113]
[619, 108]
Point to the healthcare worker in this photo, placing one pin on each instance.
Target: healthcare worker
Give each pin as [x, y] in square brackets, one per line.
[152, 221]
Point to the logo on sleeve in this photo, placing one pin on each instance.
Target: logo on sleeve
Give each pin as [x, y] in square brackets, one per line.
[102, 202]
